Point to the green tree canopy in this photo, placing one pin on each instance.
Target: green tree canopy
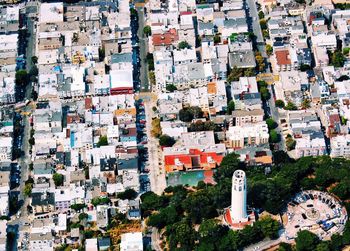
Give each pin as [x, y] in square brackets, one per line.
[58, 179]
[274, 137]
[269, 50]
[291, 106]
[337, 59]
[271, 123]
[103, 141]
[306, 241]
[171, 87]
[147, 30]
[230, 107]
[128, 194]
[166, 140]
[22, 77]
[279, 103]
[184, 45]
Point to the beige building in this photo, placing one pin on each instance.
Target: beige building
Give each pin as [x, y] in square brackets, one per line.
[243, 117]
[248, 135]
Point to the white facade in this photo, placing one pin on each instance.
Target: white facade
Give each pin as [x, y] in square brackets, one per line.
[340, 146]
[239, 197]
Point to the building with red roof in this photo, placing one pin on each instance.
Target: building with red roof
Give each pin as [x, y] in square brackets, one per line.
[166, 39]
[195, 159]
[283, 60]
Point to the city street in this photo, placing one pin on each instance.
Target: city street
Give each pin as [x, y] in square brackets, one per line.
[270, 104]
[25, 160]
[156, 173]
[143, 52]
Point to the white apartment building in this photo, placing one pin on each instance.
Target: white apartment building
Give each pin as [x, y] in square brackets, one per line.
[340, 146]
[248, 135]
[309, 146]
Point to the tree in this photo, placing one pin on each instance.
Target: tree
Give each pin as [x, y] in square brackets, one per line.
[274, 137]
[279, 103]
[34, 59]
[266, 34]
[28, 189]
[306, 104]
[77, 207]
[291, 106]
[346, 51]
[181, 234]
[336, 242]
[235, 74]
[229, 164]
[103, 141]
[196, 111]
[31, 141]
[284, 247]
[171, 87]
[265, 94]
[305, 67]
[217, 39]
[306, 241]
[34, 71]
[166, 140]
[230, 107]
[269, 227]
[166, 216]
[184, 45]
[199, 125]
[248, 72]
[152, 201]
[147, 30]
[58, 179]
[22, 77]
[185, 115]
[260, 61]
[101, 53]
[269, 49]
[207, 227]
[156, 130]
[337, 59]
[150, 61]
[263, 24]
[128, 194]
[83, 216]
[152, 77]
[290, 143]
[324, 246]
[100, 201]
[271, 124]
[261, 15]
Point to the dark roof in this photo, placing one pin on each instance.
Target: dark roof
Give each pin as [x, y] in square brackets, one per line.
[124, 164]
[107, 164]
[134, 213]
[41, 199]
[104, 242]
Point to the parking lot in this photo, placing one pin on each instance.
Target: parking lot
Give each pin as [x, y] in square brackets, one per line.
[316, 211]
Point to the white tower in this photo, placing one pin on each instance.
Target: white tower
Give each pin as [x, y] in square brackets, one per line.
[239, 197]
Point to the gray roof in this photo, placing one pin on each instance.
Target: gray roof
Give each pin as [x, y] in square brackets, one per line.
[205, 26]
[235, 22]
[121, 58]
[196, 71]
[242, 59]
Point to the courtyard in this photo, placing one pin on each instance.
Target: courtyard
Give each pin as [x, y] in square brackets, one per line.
[316, 211]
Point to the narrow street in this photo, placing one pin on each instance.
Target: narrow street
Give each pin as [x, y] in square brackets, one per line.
[156, 173]
[260, 43]
[143, 52]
